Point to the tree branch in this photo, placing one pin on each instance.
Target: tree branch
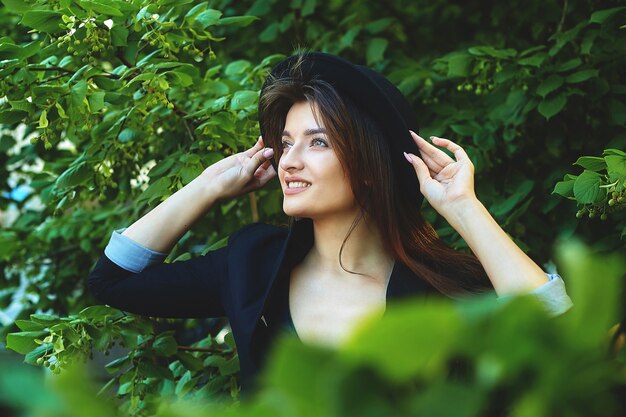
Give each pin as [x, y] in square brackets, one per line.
[560, 26]
[199, 349]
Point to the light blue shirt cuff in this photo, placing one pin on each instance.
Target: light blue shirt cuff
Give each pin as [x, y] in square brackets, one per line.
[552, 295]
[130, 255]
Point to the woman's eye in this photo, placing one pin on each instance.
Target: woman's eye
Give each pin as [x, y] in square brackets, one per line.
[318, 140]
[284, 144]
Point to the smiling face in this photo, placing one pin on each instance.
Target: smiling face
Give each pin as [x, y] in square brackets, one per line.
[320, 186]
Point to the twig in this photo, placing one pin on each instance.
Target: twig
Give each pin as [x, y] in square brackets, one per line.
[120, 55]
[253, 206]
[188, 130]
[67, 71]
[199, 349]
[560, 26]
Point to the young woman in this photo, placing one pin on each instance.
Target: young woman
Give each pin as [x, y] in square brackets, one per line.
[353, 178]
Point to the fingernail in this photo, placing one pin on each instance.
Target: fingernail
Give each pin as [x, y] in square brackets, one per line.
[268, 152]
[408, 158]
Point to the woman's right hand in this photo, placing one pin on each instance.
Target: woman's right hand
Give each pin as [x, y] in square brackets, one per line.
[243, 172]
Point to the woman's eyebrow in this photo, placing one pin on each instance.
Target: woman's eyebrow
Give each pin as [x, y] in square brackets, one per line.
[307, 132]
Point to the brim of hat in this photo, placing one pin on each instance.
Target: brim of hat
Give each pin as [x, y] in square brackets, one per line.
[388, 108]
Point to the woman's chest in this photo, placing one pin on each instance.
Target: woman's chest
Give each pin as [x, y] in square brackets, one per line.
[325, 309]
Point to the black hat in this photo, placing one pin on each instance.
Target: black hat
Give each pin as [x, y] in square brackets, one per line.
[374, 94]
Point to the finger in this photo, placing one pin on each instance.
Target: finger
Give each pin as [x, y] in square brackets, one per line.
[267, 176]
[432, 165]
[440, 157]
[458, 152]
[257, 159]
[257, 147]
[423, 174]
[264, 166]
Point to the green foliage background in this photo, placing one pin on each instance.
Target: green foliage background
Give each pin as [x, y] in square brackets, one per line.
[108, 107]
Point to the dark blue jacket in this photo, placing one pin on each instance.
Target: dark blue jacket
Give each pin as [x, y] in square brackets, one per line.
[238, 281]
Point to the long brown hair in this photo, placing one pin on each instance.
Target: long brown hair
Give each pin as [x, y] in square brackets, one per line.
[362, 149]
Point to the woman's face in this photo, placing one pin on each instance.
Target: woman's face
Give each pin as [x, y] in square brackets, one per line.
[308, 154]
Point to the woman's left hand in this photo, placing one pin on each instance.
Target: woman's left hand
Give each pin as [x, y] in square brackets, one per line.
[444, 182]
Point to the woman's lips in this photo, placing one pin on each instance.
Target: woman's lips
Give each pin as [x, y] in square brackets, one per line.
[290, 191]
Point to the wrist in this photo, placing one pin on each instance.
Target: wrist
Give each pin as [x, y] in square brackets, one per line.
[210, 188]
[462, 212]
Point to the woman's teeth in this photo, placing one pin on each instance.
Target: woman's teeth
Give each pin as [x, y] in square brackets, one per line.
[298, 185]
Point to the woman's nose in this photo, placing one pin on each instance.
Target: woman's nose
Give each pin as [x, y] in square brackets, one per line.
[291, 158]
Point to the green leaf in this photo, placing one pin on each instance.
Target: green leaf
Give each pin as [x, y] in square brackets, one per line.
[505, 206]
[43, 119]
[592, 277]
[569, 65]
[587, 188]
[117, 364]
[17, 6]
[99, 312]
[10, 117]
[190, 362]
[184, 384]
[459, 65]
[78, 94]
[156, 190]
[6, 143]
[237, 67]
[549, 85]
[74, 176]
[238, 21]
[379, 25]
[127, 135]
[564, 188]
[592, 163]
[421, 352]
[104, 8]
[197, 9]
[207, 18]
[161, 168]
[307, 8]
[96, 101]
[534, 61]
[492, 52]
[581, 76]
[270, 33]
[375, 50]
[29, 326]
[189, 173]
[229, 367]
[32, 356]
[552, 106]
[24, 342]
[43, 20]
[243, 99]
[165, 344]
[119, 35]
[613, 152]
[616, 167]
[601, 16]
[60, 110]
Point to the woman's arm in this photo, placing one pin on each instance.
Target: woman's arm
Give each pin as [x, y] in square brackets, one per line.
[448, 185]
[161, 228]
[510, 270]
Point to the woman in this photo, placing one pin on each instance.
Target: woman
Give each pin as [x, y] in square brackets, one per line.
[356, 238]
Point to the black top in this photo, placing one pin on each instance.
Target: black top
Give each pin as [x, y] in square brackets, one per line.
[246, 281]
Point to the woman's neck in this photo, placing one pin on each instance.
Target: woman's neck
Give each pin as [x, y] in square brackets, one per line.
[363, 251]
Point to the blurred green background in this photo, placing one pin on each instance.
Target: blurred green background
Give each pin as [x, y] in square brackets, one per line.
[108, 107]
